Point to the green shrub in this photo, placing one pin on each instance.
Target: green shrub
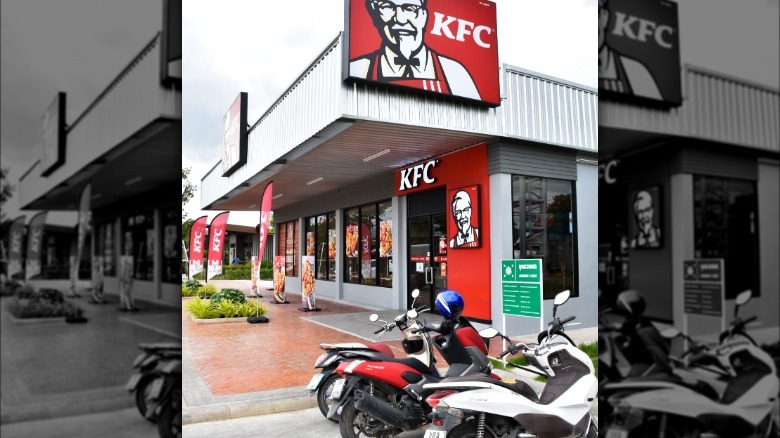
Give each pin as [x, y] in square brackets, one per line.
[266, 273]
[192, 285]
[207, 290]
[42, 309]
[9, 288]
[233, 295]
[25, 292]
[203, 309]
[50, 295]
[266, 264]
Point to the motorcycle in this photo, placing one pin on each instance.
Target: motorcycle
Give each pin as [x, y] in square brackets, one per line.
[322, 383]
[147, 365]
[472, 406]
[679, 404]
[165, 399]
[382, 396]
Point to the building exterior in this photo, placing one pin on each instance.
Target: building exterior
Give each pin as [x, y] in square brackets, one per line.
[369, 180]
[127, 145]
[686, 180]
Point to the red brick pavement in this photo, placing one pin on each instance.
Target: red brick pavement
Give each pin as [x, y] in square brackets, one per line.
[235, 358]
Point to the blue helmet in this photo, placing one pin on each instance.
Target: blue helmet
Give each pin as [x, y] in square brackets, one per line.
[450, 304]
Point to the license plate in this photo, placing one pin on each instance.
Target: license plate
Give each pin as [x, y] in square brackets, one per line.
[338, 386]
[617, 433]
[435, 433]
[315, 381]
[133, 382]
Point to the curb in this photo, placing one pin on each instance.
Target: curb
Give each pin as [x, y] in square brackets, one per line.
[248, 405]
[87, 402]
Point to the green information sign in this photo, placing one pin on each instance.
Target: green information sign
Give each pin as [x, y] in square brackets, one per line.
[521, 287]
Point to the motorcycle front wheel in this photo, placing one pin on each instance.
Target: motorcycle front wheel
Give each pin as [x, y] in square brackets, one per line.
[141, 394]
[355, 424]
[169, 421]
[324, 401]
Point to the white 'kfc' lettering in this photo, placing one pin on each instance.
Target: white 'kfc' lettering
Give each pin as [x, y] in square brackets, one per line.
[415, 173]
[197, 242]
[441, 27]
[624, 27]
[217, 244]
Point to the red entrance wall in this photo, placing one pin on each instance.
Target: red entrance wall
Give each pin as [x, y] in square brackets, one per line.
[468, 269]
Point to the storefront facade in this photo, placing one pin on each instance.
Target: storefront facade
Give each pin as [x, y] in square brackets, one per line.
[393, 190]
[126, 145]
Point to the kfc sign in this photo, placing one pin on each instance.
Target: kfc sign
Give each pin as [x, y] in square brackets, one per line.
[412, 177]
[437, 46]
[639, 51]
[234, 136]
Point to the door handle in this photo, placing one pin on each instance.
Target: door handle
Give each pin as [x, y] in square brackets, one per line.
[429, 280]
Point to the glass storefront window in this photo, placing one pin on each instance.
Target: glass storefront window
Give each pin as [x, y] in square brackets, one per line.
[542, 212]
[318, 244]
[288, 236]
[139, 242]
[104, 246]
[171, 257]
[725, 226]
[368, 244]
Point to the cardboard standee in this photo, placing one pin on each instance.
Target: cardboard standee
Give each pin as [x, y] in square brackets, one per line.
[127, 303]
[279, 296]
[309, 303]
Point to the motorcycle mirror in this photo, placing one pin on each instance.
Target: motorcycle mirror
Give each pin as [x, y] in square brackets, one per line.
[415, 293]
[374, 317]
[561, 298]
[411, 313]
[743, 297]
[489, 332]
[670, 333]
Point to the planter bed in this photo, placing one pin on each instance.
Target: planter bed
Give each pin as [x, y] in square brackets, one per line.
[216, 320]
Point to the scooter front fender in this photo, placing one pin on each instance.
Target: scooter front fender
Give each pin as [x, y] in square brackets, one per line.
[349, 387]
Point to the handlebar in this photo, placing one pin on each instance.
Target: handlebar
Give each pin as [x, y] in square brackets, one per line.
[749, 320]
[513, 349]
[386, 328]
[569, 319]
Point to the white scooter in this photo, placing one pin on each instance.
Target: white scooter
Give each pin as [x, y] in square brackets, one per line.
[674, 406]
[480, 407]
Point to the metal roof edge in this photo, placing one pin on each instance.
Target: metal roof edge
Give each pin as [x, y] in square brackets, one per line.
[550, 78]
[730, 78]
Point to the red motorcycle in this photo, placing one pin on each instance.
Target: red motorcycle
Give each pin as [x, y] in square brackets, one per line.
[383, 396]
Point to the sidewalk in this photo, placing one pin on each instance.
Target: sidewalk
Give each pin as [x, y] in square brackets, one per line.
[55, 369]
[234, 370]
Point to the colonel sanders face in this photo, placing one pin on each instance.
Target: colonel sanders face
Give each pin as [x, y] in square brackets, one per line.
[401, 24]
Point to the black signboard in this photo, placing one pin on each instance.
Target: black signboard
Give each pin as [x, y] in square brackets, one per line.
[53, 153]
[639, 51]
[703, 286]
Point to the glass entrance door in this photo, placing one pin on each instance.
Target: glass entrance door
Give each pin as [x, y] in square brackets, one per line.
[427, 257]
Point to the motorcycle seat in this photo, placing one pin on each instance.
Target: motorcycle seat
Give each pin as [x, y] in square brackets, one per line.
[698, 386]
[518, 386]
[159, 346]
[375, 346]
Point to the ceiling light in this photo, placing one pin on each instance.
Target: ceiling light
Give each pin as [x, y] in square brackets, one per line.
[132, 181]
[376, 155]
[97, 195]
[253, 206]
[314, 181]
[280, 195]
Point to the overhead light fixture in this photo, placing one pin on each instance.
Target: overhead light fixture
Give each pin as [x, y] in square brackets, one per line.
[252, 206]
[97, 195]
[280, 195]
[314, 181]
[376, 155]
[132, 181]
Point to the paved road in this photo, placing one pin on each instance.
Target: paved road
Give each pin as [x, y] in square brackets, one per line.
[307, 423]
[126, 423]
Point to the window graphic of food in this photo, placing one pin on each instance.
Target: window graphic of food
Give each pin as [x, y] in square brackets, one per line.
[308, 278]
[352, 239]
[310, 243]
[332, 244]
[385, 238]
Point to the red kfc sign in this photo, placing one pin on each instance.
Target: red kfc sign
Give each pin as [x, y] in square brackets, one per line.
[438, 46]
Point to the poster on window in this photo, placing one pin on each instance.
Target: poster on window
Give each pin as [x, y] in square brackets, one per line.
[645, 229]
[97, 279]
[126, 282]
[307, 283]
[386, 238]
[331, 244]
[464, 214]
[279, 276]
[310, 243]
[352, 238]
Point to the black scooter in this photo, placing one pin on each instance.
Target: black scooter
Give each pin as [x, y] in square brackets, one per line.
[148, 366]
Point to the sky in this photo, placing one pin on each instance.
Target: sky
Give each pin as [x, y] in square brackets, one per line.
[79, 46]
[262, 48]
[76, 46]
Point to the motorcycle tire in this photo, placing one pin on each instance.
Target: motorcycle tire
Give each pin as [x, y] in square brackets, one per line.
[141, 393]
[169, 422]
[593, 431]
[466, 429]
[351, 420]
[323, 395]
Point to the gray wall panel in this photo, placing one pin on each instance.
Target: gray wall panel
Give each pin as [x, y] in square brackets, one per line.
[707, 162]
[527, 159]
